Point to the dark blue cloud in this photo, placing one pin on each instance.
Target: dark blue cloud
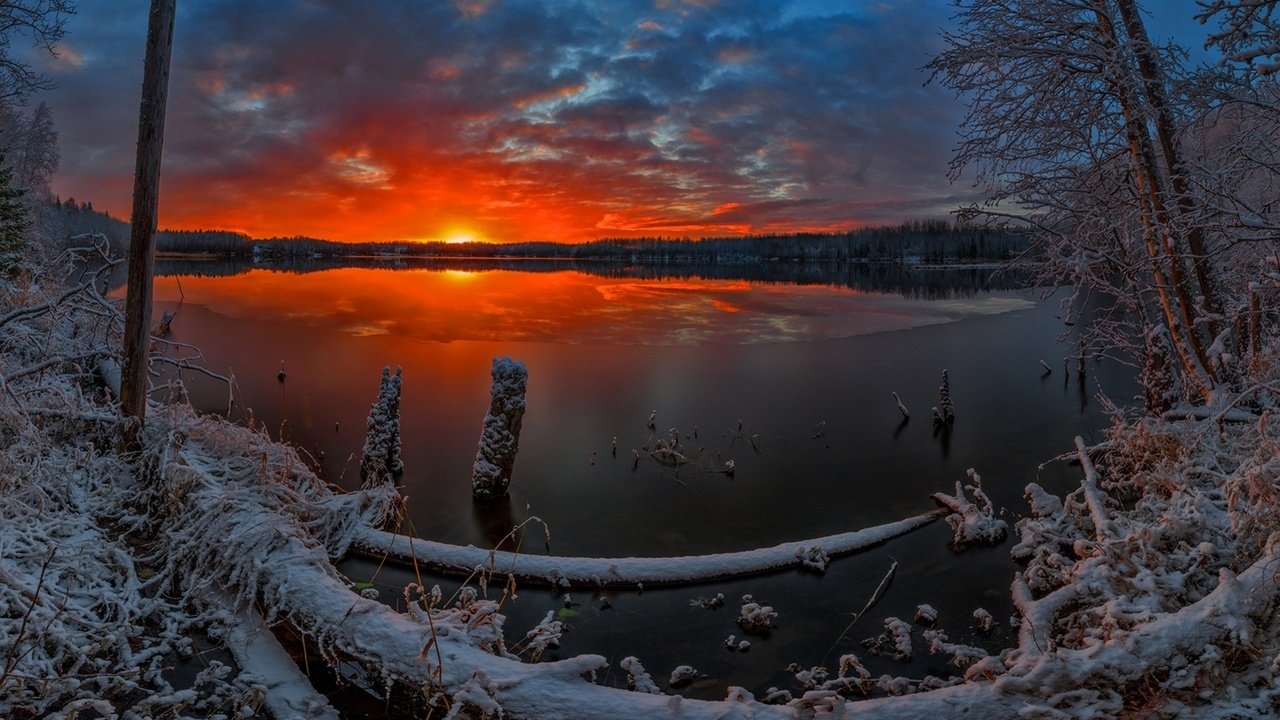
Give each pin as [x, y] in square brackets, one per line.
[568, 119]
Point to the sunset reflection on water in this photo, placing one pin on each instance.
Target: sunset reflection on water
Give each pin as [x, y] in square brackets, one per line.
[573, 307]
[792, 382]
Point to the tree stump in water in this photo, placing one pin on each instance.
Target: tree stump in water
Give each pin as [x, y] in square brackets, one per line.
[500, 437]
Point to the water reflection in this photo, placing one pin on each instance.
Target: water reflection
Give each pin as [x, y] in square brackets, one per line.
[605, 308]
[909, 281]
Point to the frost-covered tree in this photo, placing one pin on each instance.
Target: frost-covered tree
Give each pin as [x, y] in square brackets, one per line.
[1249, 31]
[380, 458]
[30, 145]
[44, 22]
[1072, 122]
[500, 437]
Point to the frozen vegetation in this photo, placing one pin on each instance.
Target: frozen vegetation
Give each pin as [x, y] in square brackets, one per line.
[972, 521]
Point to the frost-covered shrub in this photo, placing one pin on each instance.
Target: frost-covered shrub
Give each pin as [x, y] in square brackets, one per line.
[83, 631]
[637, 678]
[500, 437]
[754, 616]
[897, 637]
[972, 521]
[984, 619]
[962, 656]
[900, 634]
[544, 636]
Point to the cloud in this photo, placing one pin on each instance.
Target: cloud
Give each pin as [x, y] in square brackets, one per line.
[564, 120]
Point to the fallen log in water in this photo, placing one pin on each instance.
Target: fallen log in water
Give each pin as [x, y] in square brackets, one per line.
[629, 571]
[268, 556]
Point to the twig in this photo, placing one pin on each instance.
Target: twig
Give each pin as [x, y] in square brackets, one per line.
[11, 660]
[875, 596]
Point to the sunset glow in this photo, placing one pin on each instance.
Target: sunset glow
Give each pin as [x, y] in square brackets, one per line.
[460, 238]
[561, 121]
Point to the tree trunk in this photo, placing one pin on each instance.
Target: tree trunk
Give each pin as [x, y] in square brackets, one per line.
[1157, 95]
[146, 198]
[1161, 243]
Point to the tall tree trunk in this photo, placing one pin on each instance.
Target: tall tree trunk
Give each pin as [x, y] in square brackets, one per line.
[1159, 239]
[146, 198]
[1157, 95]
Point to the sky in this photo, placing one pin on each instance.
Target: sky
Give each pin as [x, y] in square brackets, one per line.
[493, 120]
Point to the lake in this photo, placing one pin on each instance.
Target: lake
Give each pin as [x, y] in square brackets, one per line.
[805, 363]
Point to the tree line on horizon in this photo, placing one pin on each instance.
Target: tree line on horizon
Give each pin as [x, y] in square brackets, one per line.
[927, 241]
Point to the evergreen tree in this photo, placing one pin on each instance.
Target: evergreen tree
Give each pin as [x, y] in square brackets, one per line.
[14, 222]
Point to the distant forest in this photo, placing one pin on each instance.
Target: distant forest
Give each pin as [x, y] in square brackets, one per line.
[921, 241]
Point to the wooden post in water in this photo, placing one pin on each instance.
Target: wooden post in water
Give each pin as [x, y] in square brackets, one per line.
[142, 232]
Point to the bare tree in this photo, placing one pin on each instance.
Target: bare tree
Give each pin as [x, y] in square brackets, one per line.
[1071, 119]
[45, 22]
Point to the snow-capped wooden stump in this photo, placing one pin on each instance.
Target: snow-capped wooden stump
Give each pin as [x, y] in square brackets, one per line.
[380, 459]
[500, 437]
[948, 411]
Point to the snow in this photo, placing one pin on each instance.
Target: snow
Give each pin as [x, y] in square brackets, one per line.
[972, 521]
[625, 571]
[755, 616]
[500, 436]
[287, 693]
[683, 675]
[638, 679]
[946, 411]
[926, 614]
[380, 459]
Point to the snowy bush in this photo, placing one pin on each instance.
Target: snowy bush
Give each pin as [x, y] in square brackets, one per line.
[972, 521]
[962, 656]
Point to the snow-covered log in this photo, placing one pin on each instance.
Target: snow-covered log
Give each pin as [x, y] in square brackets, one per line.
[380, 460]
[500, 437]
[270, 556]
[287, 693]
[626, 571]
[1092, 495]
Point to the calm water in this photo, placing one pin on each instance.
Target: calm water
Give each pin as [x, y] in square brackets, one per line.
[806, 368]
